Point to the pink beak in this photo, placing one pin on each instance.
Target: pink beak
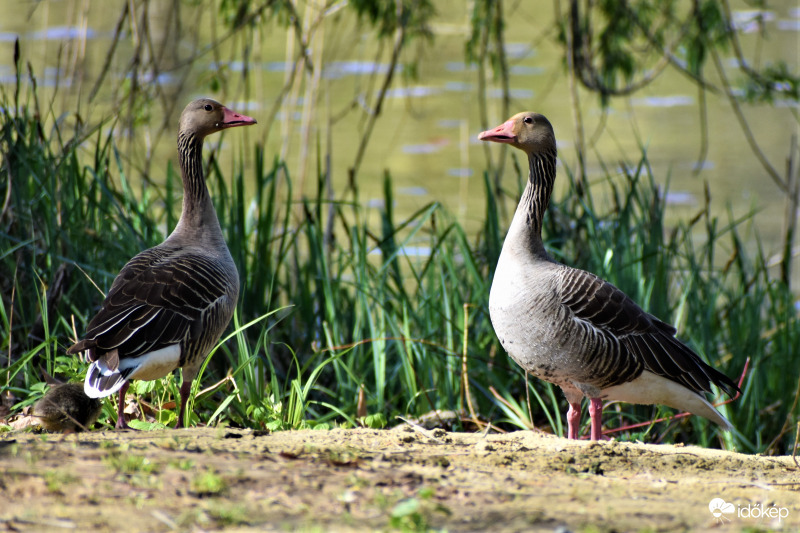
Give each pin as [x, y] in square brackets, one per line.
[504, 133]
[231, 119]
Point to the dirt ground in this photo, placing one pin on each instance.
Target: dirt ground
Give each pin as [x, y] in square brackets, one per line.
[401, 479]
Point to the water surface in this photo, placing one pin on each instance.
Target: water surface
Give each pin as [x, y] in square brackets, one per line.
[426, 136]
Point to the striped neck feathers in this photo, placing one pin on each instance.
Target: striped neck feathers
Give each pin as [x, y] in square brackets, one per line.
[536, 197]
[197, 207]
[541, 177]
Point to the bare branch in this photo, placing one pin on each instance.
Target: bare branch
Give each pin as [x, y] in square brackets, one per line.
[751, 140]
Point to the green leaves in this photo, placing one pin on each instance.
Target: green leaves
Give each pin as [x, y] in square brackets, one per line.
[774, 83]
[619, 47]
[389, 15]
[707, 28]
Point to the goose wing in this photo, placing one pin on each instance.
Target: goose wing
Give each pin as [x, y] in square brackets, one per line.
[157, 300]
[624, 340]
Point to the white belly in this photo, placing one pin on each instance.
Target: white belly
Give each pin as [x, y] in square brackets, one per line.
[526, 314]
[153, 365]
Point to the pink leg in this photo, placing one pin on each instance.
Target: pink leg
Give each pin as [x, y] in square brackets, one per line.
[186, 389]
[596, 414]
[573, 419]
[121, 423]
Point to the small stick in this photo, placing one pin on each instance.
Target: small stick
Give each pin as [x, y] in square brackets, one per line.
[464, 373]
[421, 430]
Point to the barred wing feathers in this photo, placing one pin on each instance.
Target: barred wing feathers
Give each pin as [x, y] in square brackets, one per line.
[155, 308]
[628, 340]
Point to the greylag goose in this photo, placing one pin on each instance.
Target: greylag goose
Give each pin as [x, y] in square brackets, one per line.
[169, 305]
[573, 329]
[67, 408]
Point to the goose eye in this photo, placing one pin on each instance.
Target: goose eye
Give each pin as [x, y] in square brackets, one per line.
[528, 120]
[208, 107]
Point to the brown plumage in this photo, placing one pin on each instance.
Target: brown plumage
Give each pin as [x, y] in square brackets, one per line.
[169, 305]
[67, 408]
[573, 329]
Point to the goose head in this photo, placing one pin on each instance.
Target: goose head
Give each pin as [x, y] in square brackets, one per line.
[528, 131]
[205, 116]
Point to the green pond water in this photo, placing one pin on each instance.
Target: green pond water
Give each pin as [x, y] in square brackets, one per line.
[426, 136]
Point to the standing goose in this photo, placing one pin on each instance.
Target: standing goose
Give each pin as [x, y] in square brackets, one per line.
[573, 329]
[169, 305]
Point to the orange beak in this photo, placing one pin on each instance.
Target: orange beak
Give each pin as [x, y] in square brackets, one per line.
[231, 119]
[504, 133]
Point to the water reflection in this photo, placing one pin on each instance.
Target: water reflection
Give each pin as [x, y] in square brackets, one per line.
[413, 191]
[420, 148]
[518, 50]
[293, 115]
[664, 101]
[333, 71]
[459, 66]
[242, 106]
[516, 70]
[458, 86]
[233, 66]
[521, 70]
[408, 251]
[751, 20]
[789, 25]
[678, 198]
[519, 94]
[7, 75]
[460, 172]
[449, 123]
[51, 77]
[340, 69]
[61, 33]
[425, 148]
[702, 165]
[162, 79]
[419, 91]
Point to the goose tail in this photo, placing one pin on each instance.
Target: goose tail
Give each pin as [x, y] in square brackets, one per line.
[102, 381]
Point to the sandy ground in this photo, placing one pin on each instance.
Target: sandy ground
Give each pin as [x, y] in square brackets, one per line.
[401, 479]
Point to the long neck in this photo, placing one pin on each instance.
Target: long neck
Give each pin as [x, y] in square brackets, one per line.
[198, 211]
[527, 223]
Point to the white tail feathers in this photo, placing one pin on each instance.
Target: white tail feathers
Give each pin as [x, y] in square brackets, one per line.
[650, 388]
[101, 381]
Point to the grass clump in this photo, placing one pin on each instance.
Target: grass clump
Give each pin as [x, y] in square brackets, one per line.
[126, 463]
[57, 480]
[208, 483]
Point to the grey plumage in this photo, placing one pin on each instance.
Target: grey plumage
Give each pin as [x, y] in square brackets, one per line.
[170, 304]
[570, 327]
